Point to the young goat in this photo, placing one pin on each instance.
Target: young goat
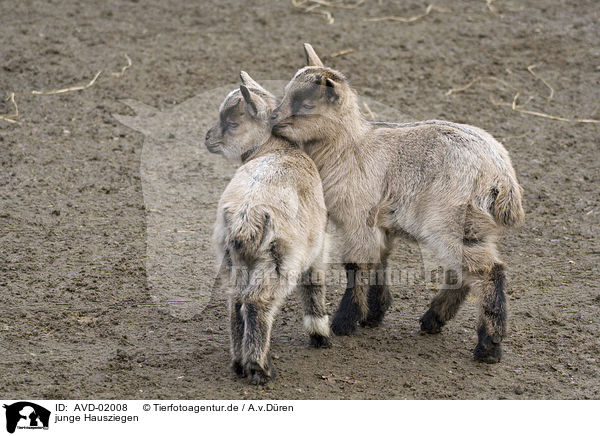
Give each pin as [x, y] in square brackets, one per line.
[270, 229]
[450, 186]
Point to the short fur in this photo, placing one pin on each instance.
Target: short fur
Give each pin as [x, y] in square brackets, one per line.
[450, 186]
[270, 229]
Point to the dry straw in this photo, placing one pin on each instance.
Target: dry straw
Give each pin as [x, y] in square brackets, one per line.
[515, 106]
[70, 89]
[476, 80]
[9, 118]
[414, 18]
[530, 69]
[315, 7]
[129, 64]
[342, 53]
[339, 4]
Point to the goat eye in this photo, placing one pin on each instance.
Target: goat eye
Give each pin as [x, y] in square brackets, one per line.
[308, 106]
[232, 125]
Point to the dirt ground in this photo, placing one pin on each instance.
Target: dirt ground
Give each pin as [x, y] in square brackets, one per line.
[76, 315]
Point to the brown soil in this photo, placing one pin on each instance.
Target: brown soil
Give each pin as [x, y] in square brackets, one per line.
[76, 316]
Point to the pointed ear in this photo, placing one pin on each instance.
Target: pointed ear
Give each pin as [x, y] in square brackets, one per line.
[249, 100]
[331, 92]
[250, 82]
[311, 57]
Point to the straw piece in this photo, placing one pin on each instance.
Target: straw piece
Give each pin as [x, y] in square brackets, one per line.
[71, 89]
[338, 4]
[9, 117]
[515, 107]
[409, 19]
[530, 69]
[129, 64]
[342, 53]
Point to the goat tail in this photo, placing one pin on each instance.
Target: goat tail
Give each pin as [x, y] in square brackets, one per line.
[505, 203]
[248, 229]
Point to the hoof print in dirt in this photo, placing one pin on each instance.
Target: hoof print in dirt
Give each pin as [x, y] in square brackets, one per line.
[431, 323]
[320, 341]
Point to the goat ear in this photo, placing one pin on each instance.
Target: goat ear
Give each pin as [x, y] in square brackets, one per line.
[249, 100]
[331, 92]
[311, 57]
[250, 82]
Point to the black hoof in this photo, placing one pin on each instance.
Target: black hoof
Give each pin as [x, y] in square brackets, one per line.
[487, 351]
[258, 375]
[342, 326]
[375, 317]
[349, 313]
[371, 322]
[431, 322]
[238, 369]
[488, 355]
[379, 301]
[320, 341]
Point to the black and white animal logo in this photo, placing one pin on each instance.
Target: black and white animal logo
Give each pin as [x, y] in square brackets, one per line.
[26, 415]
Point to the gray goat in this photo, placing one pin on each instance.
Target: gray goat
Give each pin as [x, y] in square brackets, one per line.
[270, 229]
[450, 186]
